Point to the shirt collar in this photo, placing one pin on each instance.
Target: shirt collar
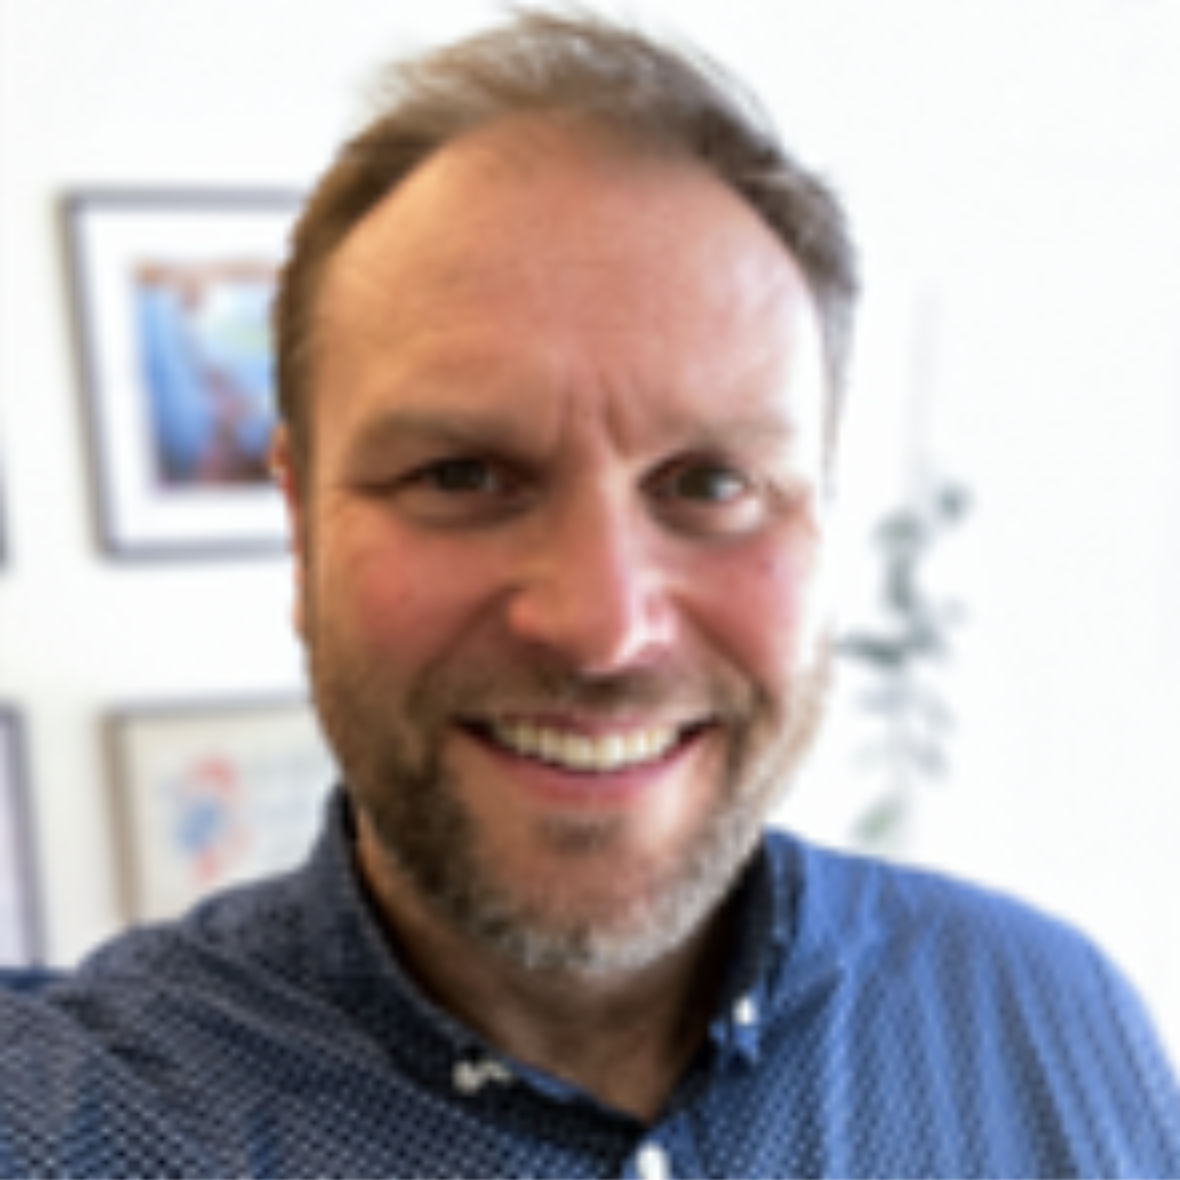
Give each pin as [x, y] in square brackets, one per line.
[355, 958]
[763, 934]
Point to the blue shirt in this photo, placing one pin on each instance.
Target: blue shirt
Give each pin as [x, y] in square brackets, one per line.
[877, 1021]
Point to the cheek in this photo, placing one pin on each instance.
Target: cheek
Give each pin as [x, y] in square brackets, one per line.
[764, 611]
[398, 606]
[404, 605]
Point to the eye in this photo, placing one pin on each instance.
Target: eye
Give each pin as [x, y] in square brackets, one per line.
[461, 490]
[465, 475]
[709, 497]
[704, 482]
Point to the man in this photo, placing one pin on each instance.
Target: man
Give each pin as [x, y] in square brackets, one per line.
[562, 342]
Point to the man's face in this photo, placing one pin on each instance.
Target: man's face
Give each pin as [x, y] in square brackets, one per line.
[562, 537]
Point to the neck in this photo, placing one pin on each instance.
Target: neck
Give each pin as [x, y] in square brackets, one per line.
[625, 1038]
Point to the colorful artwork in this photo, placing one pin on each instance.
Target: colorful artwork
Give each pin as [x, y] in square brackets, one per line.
[213, 796]
[207, 368]
[172, 300]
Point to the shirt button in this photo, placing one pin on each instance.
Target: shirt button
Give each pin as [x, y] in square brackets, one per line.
[468, 1078]
[745, 1013]
[653, 1163]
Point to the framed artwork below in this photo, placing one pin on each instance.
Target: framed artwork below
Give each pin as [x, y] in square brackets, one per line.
[20, 910]
[172, 293]
[209, 795]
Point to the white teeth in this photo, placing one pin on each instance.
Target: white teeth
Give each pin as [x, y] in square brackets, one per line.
[550, 747]
[577, 751]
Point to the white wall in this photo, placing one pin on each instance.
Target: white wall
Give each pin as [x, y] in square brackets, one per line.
[1016, 165]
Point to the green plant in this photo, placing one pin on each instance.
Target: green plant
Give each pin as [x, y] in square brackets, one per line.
[903, 698]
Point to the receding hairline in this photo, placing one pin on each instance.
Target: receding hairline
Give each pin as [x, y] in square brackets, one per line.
[650, 95]
[515, 145]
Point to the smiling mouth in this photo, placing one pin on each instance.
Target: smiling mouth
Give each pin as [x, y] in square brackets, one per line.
[587, 753]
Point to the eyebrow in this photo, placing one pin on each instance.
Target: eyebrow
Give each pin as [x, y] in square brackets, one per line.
[467, 428]
[761, 431]
[397, 428]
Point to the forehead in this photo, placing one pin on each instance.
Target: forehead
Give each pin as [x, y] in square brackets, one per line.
[534, 244]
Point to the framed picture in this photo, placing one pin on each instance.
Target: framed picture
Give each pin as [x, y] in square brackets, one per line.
[172, 295]
[212, 795]
[20, 910]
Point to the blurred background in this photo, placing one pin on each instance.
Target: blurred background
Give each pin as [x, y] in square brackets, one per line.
[1009, 506]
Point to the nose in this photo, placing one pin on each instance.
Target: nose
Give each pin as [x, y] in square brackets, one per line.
[594, 591]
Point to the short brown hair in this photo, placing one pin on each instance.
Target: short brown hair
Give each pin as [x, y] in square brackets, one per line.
[597, 71]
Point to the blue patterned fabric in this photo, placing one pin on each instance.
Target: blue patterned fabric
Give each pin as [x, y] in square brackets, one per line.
[877, 1021]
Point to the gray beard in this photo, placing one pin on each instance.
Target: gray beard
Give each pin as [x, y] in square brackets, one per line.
[429, 839]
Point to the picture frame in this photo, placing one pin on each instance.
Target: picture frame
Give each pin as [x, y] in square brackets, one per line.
[21, 934]
[209, 795]
[171, 294]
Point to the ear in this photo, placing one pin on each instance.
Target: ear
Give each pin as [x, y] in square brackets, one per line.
[284, 469]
